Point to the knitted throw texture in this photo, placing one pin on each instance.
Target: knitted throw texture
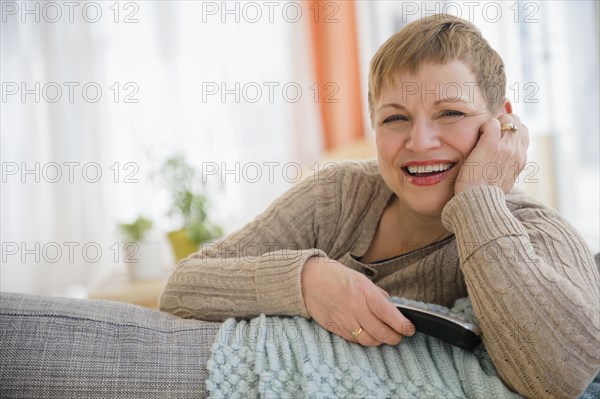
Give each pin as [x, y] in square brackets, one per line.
[277, 357]
[292, 357]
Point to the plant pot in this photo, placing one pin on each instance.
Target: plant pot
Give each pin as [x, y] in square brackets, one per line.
[180, 243]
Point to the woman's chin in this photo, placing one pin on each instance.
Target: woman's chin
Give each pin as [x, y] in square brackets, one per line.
[434, 211]
[422, 199]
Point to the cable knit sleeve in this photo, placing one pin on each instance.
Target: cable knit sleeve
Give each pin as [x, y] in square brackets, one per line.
[257, 268]
[534, 287]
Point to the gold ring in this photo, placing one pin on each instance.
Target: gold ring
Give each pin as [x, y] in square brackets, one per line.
[356, 333]
[508, 126]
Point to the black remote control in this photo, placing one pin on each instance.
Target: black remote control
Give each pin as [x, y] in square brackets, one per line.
[443, 326]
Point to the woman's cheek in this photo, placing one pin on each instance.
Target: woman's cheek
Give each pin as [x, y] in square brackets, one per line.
[388, 141]
[466, 137]
[387, 150]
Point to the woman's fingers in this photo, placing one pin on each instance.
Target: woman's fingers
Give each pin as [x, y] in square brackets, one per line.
[364, 338]
[354, 324]
[517, 141]
[384, 310]
[523, 134]
[490, 131]
[498, 157]
[380, 321]
[344, 302]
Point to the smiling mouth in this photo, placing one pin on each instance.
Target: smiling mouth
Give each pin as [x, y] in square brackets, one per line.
[428, 170]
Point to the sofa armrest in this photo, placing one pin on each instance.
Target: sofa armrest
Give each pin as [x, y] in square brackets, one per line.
[74, 348]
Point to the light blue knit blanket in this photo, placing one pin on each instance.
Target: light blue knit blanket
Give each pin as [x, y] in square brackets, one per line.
[291, 357]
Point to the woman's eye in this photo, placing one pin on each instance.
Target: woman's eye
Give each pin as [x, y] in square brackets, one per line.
[452, 113]
[394, 118]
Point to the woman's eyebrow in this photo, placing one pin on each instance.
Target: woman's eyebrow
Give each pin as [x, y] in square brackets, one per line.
[392, 105]
[451, 100]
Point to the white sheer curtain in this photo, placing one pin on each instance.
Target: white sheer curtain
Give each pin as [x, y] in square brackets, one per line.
[216, 82]
[551, 51]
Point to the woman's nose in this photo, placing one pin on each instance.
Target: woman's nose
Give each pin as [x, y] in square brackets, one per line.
[423, 138]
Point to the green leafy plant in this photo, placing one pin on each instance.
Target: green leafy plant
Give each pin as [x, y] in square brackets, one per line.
[189, 199]
[137, 230]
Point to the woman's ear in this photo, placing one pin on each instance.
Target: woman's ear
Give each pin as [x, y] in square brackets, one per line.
[506, 108]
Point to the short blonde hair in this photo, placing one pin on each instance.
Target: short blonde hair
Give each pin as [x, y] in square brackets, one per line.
[440, 39]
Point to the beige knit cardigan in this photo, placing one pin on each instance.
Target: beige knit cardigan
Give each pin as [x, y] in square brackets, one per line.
[530, 276]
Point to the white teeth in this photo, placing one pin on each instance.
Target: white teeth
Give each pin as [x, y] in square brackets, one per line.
[440, 167]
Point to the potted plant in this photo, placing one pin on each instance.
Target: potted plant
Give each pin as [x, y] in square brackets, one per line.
[136, 231]
[189, 203]
[142, 256]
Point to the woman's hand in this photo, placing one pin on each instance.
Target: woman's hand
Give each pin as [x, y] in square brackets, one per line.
[343, 301]
[498, 157]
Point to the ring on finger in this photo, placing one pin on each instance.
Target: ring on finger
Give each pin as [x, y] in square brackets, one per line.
[508, 126]
[356, 332]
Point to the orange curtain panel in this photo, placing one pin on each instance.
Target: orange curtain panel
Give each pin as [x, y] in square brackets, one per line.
[335, 54]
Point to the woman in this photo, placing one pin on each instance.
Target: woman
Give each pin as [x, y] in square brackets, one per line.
[434, 219]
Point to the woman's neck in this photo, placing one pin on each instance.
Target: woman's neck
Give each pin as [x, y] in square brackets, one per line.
[419, 230]
[400, 231]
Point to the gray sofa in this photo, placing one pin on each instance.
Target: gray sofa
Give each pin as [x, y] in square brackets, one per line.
[69, 348]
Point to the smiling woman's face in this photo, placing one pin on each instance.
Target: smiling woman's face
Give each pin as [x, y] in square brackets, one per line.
[426, 125]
